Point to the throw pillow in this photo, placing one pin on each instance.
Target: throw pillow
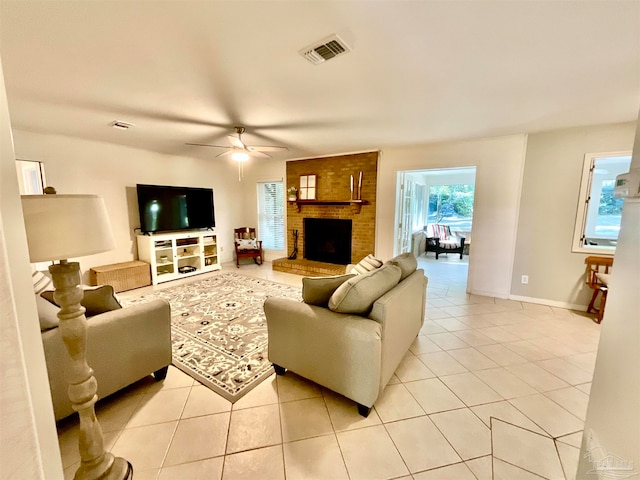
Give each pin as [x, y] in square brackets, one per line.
[96, 300]
[246, 244]
[407, 263]
[367, 264]
[47, 314]
[318, 290]
[358, 294]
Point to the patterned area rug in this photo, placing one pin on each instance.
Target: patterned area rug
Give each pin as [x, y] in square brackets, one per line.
[219, 331]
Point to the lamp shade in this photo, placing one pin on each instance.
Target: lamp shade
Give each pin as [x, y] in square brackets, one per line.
[66, 226]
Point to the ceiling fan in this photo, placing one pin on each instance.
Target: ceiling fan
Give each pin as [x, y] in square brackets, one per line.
[240, 151]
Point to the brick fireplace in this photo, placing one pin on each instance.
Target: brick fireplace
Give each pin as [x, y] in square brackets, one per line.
[333, 201]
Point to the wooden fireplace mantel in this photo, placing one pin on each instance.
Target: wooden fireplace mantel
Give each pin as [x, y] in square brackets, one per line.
[356, 203]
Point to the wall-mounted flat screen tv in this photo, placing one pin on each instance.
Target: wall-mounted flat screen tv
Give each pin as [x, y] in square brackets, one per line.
[167, 208]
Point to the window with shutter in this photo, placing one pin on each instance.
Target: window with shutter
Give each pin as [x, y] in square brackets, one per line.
[271, 208]
[599, 212]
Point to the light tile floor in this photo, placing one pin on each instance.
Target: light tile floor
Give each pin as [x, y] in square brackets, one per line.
[490, 389]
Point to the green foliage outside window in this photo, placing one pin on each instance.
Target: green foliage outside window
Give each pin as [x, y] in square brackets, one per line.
[450, 201]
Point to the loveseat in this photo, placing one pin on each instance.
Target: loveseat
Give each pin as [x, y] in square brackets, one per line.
[124, 345]
[351, 331]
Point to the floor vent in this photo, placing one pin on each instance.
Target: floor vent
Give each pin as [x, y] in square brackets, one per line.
[325, 49]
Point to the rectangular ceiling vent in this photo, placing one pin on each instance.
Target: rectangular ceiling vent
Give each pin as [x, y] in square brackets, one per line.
[325, 49]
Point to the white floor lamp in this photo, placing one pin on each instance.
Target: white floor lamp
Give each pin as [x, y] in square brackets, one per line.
[70, 226]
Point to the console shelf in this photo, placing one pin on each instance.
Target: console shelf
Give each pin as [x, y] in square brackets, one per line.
[197, 252]
[356, 203]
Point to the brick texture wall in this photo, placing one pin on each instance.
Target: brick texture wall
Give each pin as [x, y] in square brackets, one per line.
[333, 184]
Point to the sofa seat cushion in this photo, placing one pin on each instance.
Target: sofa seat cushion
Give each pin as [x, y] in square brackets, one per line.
[318, 290]
[95, 300]
[358, 294]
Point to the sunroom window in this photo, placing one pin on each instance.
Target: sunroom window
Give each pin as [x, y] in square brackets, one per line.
[599, 212]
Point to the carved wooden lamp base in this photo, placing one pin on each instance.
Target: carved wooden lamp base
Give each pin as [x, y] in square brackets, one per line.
[97, 464]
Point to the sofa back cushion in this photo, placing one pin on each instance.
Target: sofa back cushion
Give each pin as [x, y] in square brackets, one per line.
[318, 290]
[406, 262]
[358, 294]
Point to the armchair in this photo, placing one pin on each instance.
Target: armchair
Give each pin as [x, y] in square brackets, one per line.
[247, 245]
[440, 240]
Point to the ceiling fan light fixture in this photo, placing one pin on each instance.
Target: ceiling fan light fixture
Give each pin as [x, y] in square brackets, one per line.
[240, 156]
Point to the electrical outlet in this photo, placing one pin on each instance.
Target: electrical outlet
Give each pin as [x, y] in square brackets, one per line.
[221, 249]
[525, 279]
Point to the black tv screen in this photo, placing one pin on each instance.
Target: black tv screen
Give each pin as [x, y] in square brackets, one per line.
[166, 208]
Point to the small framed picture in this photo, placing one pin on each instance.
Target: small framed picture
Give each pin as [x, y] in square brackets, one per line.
[307, 187]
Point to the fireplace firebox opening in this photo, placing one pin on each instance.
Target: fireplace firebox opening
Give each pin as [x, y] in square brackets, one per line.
[327, 240]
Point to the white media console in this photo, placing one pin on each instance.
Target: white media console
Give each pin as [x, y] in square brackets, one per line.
[179, 254]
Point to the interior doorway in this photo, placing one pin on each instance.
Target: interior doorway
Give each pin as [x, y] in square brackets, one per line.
[436, 196]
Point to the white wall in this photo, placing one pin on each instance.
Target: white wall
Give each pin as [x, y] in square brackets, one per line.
[499, 166]
[613, 416]
[550, 192]
[112, 171]
[28, 438]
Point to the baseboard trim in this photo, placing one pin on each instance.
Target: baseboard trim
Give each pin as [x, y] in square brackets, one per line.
[549, 303]
[486, 293]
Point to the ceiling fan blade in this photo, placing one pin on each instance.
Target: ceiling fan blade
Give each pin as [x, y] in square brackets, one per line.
[259, 154]
[236, 142]
[228, 152]
[267, 148]
[207, 145]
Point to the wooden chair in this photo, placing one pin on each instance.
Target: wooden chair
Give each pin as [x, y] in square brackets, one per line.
[598, 269]
[247, 245]
[440, 240]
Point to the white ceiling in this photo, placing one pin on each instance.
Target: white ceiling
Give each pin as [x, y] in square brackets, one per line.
[420, 71]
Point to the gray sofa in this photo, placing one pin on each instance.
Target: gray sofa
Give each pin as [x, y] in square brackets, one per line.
[351, 346]
[123, 346]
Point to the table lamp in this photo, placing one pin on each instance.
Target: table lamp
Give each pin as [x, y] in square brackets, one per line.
[69, 226]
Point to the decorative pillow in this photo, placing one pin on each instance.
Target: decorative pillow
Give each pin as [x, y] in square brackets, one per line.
[96, 300]
[358, 294]
[318, 290]
[407, 263]
[246, 244]
[367, 264]
[47, 314]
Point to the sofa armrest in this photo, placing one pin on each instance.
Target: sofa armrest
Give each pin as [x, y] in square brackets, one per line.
[400, 313]
[336, 350]
[123, 346]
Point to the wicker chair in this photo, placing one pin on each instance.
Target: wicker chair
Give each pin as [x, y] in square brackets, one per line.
[247, 245]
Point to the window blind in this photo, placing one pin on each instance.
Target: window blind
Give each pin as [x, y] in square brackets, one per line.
[271, 215]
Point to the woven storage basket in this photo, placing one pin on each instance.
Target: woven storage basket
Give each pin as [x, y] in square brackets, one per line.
[122, 276]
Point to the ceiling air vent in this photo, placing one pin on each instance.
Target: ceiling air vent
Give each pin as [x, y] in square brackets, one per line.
[325, 49]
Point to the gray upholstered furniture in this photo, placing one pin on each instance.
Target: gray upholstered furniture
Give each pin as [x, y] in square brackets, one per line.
[123, 346]
[349, 345]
